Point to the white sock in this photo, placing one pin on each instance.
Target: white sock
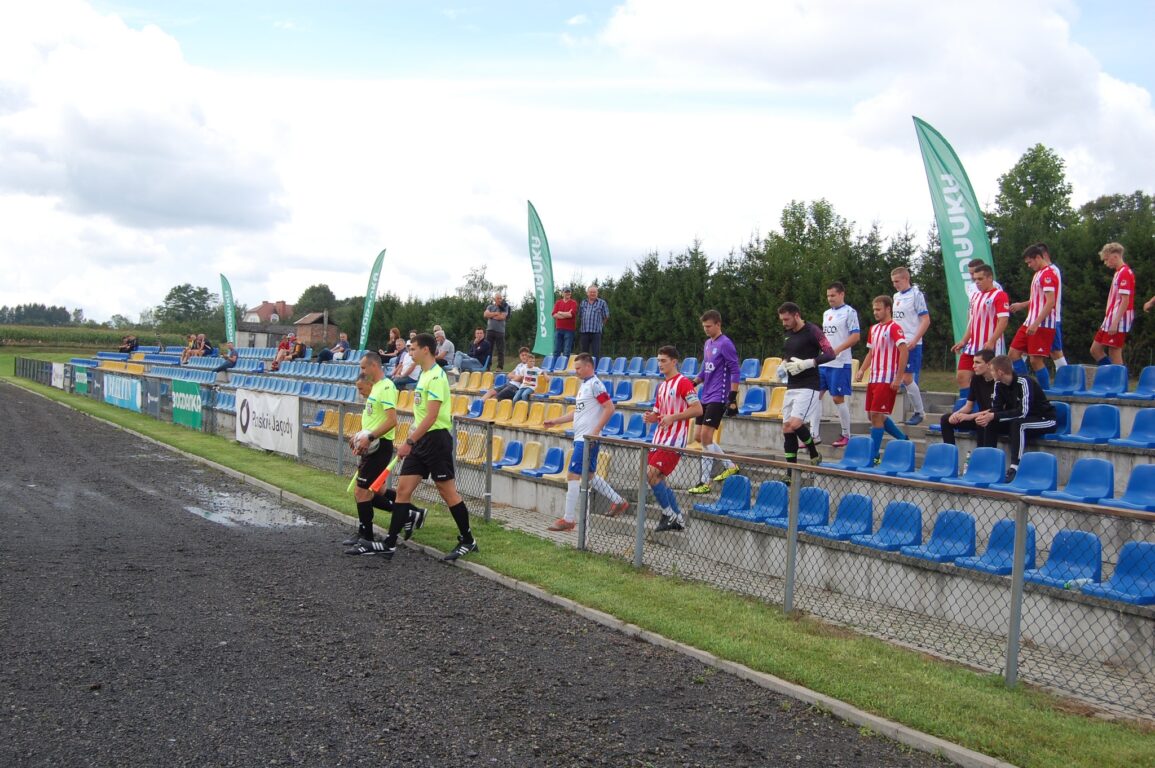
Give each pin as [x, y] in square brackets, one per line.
[915, 397]
[571, 500]
[600, 485]
[1060, 361]
[706, 468]
[844, 416]
[816, 419]
[715, 448]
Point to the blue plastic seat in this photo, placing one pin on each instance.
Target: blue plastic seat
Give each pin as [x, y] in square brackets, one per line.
[318, 419]
[1074, 555]
[735, 497]
[1038, 472]
[636, 366]
[513, 453]
[651, 368]
[1090, 481]
[690, 367]
[635, 428]
[623, 391]
[813, 510]
[773, 496]
[754, 402]
[619, 367]
[750, 369]
[550, 465]
[1068, 380]
[953, 537]
[560, 364]
[475, 408]
[308, 388]
[1134, 578]
[959, 403]
[1100, 424]
[547, 363]
[941, 461]
[901, 526]
[499, 380]
[1062, 418]
[1140, 493]
[1110, 381]
[986, 467]
[1142, 431]
[615, 425]
[556, 388]
[858, 454]
[999, 559]
[1145, 389]
[898, 456]
[854, 517]
[603, 367]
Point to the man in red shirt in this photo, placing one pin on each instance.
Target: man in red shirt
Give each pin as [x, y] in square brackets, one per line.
[1108, 345]
[886, 354]
[675, 407]
[565, 312]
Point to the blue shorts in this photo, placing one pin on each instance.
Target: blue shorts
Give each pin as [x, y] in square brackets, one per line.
[1057, 344]
[575, 462]
[914, 362]
[836, 381]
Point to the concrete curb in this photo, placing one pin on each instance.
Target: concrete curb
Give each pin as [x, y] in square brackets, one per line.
[923, 742]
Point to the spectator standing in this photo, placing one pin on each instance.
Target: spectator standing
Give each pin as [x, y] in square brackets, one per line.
[1019, 409]
[1036, 336]
[565, 312]
[128, 344]
[885, 360]
[1112, 334]
[674, 405]
[478, 357]
[228, 358]
[718, 395]
[496, 314]
[841, 328]
[338, 351]
[594, 313]
[911, 313]
[987, 318]
[981, 391]
[805, 349]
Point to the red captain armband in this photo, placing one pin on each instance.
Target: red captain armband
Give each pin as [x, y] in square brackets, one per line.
[604, 397]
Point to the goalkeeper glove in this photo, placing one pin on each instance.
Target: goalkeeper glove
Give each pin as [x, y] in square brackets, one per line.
[732, 405]
[796, 366]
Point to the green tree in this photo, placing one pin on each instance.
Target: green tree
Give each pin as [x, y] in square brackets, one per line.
[477, 286]
[315, 298]
[186, 305]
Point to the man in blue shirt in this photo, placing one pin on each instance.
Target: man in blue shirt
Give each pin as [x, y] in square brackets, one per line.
[594, 313]
[338, 351]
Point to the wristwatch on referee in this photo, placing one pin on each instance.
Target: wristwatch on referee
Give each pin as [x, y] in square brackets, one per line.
[409, 442]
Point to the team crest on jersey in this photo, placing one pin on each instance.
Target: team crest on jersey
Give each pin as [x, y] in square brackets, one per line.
[417, 397]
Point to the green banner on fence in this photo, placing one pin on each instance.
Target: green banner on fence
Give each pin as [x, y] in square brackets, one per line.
[80, 379]
[186, 403]
[542, 264]
[230, 310]
[370, 300]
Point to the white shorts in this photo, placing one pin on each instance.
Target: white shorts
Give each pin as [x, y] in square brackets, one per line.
[799, 404]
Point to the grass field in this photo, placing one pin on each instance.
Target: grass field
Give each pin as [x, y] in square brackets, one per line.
[1022, 726]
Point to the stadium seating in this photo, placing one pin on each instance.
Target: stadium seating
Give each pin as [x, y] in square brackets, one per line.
[318, 420]
[623, 391]
[689, 367]
[773, 497]
[854, 517]
[562, 410]
[547, 363]
[635, 367]
[813, 510]
[475, 407]
[530, 458]
[1110, 381]
[1038, 472]
[619, 367]
[651, 368]
[1090, 480]
[499, 380]
[735, 497]
[768, 374]
[953, 537]
[1074, 555]
[999, 559]
[511, 456]
[774, 406]
[1145, 389]
[941, 461]
[551, 464]
[898, 456]
[901, 526]
[640, 393]
[985, 468]
[1062, 418]
[1068, 380]
[753, 402]
[750, 368]
[536, 417]
[966, 427]
[858, 454]
[460, 405]
[1134, 578]
[615, 425]
[1140, 493]
[563, 472]
[569, 388]
[1100, 423]
[635, 428]
[1142, 431]
[603, 367]
[518, 416]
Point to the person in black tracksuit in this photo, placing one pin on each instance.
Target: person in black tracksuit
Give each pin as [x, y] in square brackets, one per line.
[1019, 409]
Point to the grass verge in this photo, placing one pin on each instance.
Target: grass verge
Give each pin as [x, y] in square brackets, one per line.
[1024, 726]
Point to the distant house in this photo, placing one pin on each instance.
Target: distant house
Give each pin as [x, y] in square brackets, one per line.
[269, 313]
[265, 324]
[315, 332]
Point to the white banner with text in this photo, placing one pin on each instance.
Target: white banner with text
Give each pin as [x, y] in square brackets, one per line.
[268, 421]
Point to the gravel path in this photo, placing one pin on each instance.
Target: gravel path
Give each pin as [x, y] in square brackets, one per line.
[153, 612]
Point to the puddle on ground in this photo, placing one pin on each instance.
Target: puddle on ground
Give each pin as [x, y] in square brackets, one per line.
[233, 508]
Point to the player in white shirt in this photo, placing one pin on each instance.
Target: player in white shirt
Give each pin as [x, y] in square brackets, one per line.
[912, 315]
[840, 326]
[592, 410]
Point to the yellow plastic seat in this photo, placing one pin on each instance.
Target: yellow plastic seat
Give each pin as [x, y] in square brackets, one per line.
[486, 382]
[552, 411]
[773, 404]
[460, 405]
[462, 444]
[530, 458]
[328, 423]
[536, 416]
[401, 431]
[518, 415]
[405, 401]
[569, 390]
[854, 375]
[542, 386]
[564, 426]
[564, 474]
[570, 367]
[488, 410]
[769, 372]
[504, 412]
[641, 392]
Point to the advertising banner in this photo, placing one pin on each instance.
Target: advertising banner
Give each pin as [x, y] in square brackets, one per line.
[81, 378]
[58, 375]
[186, 403]
[370, 299]
[122, 391]
[542, 265]
[230, 309]
[268, 421]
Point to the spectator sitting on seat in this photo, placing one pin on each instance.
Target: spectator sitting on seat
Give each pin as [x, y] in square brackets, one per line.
[478, 355]
[445, 349]
[405, 372]
[1019, 409]
[188, 349]
[299, 351]
[228, 357]
[200, 348]
[979, 400]
[521, 382]
[338, 351]
[389, 352]
[284, 350]
[128, 344]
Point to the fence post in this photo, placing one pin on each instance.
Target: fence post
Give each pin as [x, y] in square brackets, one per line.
[340, 438]
[643, 487]
[584, 493]
[488, 470]
[1016, 613]
[795, 478]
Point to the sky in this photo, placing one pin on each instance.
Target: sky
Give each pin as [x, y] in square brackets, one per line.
[145, 144]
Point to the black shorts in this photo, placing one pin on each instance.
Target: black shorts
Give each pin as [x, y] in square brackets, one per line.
[431, 457]
[712, 414]
[373, 464]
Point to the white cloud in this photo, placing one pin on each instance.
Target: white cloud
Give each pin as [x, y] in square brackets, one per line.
[578, 20]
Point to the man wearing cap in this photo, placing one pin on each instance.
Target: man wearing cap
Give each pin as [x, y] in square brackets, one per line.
[565, 311]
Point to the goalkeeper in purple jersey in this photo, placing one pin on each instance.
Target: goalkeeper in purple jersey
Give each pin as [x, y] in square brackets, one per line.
[718, 395]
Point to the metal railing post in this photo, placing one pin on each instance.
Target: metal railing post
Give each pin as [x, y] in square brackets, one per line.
[584, 492]
[340, 438]
[1016, 614]
[488, 470]
[640, 529]
[791, 539]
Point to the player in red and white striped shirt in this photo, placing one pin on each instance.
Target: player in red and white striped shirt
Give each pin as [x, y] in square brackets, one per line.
[886, 354]
[1036, 336]
[1108, 344]
[990, 310]
[675, 407]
